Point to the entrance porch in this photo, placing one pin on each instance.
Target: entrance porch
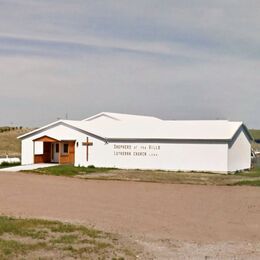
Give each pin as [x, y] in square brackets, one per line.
[50, 150]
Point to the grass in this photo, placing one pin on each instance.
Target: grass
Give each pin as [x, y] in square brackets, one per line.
[37, 239]
[255, 133]
[255, 172]
[9, 144]
[70, 170]
[10, 248]
[249, 182]
[251, 177]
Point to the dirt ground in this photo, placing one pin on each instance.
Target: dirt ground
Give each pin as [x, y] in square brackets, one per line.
[169, 221]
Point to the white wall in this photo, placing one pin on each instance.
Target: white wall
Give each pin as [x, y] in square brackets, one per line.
[59, 132]
[239, 152]
[27, 152]
[183, 156]
[191, 156]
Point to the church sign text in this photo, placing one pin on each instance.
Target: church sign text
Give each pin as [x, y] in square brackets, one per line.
[136, 150]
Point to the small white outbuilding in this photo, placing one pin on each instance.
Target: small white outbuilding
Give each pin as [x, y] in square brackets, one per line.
[141, 142]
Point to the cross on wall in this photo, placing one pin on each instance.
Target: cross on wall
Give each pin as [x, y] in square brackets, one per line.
[87, 144]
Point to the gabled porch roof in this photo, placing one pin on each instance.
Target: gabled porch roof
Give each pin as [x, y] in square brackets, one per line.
[48, 139]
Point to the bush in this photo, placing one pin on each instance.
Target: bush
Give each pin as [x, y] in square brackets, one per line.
[9, 164]
[4, 129]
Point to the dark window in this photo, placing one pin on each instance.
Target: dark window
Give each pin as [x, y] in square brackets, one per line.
[65, 148]
[57, 148]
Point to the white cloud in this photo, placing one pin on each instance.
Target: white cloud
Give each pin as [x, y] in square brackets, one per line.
[196, 59]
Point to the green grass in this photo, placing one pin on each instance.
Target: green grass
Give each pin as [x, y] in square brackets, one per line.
[14, 248]
[200, 178]
[255, 172]
[251, 178]
[69, 170]
[255, 133]
[249, 183]
[36, 239]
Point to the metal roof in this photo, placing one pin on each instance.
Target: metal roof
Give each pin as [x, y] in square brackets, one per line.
[123, 126]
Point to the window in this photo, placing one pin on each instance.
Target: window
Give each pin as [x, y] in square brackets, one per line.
[65, 149]
[57, 148]
[38, 148]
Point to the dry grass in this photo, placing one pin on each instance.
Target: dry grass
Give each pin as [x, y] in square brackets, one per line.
[42, 239]
[251, 177]
[176, 177]
[9, 144]
[255, 133]
[256, 146]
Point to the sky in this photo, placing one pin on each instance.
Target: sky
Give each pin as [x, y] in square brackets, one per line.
[172, 59]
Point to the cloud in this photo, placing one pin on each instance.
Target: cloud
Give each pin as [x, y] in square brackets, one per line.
[173, 59]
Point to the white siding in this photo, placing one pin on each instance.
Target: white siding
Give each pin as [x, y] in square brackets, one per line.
[212, 156]
[27, 152]
[59, 132]
[192, 156]
[239, 152]
[179, 156]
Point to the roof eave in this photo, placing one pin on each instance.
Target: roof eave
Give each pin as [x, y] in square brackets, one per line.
[160, 140]
[60, 122]
[246, 130]
[38, 129]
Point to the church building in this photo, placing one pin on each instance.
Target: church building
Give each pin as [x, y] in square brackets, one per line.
[141, 142]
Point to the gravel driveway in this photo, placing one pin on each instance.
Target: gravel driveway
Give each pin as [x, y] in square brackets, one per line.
[168, 220]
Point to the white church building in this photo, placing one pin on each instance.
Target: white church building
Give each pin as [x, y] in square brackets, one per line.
[141, 142]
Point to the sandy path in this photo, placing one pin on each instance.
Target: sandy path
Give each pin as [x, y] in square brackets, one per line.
[188, 213]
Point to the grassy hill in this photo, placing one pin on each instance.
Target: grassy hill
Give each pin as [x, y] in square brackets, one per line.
[255, 133]
[9, 144]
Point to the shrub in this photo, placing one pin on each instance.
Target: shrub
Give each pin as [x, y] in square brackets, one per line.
[9, 164]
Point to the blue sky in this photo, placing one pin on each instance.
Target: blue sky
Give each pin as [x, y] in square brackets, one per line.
[172, 59]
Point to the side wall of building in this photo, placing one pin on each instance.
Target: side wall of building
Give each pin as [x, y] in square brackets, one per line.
[27, 156]
[178, 156]
[239, 152]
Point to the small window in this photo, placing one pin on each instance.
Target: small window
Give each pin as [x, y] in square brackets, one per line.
[57, 148]
[38, 148]
[65, 149]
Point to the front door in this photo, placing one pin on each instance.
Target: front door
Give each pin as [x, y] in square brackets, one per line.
[55, 152]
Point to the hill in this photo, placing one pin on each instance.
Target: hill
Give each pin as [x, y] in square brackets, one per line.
[255, 133]
[9, 144]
